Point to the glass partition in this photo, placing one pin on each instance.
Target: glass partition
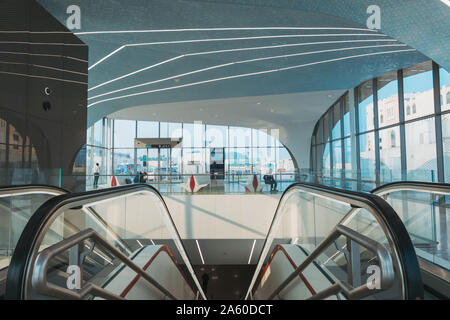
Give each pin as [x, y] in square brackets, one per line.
[17, 204]
[426, 217]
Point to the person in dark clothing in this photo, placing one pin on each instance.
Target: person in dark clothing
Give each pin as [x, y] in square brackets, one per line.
[269, 179]
[137, 178]
[205, 280]
[96, 175]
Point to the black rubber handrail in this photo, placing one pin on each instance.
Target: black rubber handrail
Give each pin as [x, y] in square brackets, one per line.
[17, 273]
[428, 186]
[26, 187]
[402, 241]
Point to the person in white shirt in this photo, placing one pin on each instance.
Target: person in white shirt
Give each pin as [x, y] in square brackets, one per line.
[96, 175]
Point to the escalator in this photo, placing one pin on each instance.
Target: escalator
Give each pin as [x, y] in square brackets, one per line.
[17, 205]
[118, 243]
[328, 243]
[424, 208]
[121, 243]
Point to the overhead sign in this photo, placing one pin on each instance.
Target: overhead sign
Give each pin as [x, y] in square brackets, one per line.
[157, 143]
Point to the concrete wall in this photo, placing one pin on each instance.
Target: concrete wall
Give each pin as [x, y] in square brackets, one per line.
[226, 216]
[38, 53]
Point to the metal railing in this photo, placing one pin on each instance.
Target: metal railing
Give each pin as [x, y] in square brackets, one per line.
[40, 283]
[404, 255]
[384, 257]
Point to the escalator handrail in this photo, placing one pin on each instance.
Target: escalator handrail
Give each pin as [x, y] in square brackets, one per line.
[432, 187]
[17, 274]
[8, 191]
[385, 215]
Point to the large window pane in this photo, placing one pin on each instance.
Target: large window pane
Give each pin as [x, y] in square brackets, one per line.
[446, 145]
[240, 137]
[3, 125]
[124, 133]
[326, 160]
[336, 129]
[123, 161]
[390, 160]
[238, 160]
[326, 127]
[262, 138]
[365, 106]
[418, 87]
[98, 133]
[194, 161]
[337, 158]
[444, 77]
[388, 109]
[264, 160]
[148, 129]
[284, 161]
[318, 165]
[421, 150]
[348, 158]
[194, 135]
[367, 154]
[216, 136]
[346, 117]
[175, 130]
[170, 130]
[319, 134]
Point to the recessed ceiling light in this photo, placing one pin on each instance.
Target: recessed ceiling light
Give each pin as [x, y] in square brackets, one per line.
[258, 103]
[176, 80]
[330, 96]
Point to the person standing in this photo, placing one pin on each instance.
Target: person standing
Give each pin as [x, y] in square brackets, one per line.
[96, 175]
[205, 280]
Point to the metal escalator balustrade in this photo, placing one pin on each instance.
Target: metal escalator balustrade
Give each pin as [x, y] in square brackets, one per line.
[108, 238]
[348, 235]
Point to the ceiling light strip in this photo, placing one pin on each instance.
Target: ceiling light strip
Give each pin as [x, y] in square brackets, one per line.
[44, 67]
[228, 39]
[139, 243]
[35, 32]
[218, 29]
[250, 74]
[251, 252]
[44, 43]
[200, 251]
[235, 50]
[43, 55]
[42, 77]
[242, 62]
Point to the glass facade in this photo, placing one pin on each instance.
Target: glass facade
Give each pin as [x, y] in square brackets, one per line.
[397, 131]
[243, 150]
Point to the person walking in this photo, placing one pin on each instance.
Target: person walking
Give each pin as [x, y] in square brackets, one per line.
[96, 175]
